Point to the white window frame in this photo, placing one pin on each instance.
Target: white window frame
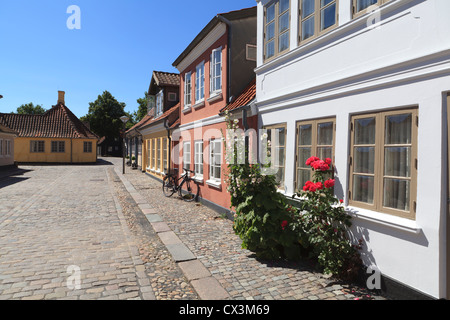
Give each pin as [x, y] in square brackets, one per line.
[149, 154]
[216, 59]
[198, 160]
[187, 90]
[200, 82]
[187, 155]
[215, 147]
[8, 148]
[159, 103]
[1, 148]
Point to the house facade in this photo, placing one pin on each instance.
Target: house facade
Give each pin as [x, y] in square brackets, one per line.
[7, 137]
[214, 70]
[57, 136]
[366, 83]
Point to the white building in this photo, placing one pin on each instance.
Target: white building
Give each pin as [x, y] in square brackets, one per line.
[367, 81]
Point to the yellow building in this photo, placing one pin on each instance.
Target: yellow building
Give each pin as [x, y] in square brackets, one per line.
[57, 136]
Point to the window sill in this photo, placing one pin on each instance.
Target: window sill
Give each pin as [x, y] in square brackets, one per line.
[198, 178]
[384, 219]
[214, 183]
[199, 104]
[215, 96]
[187, 109]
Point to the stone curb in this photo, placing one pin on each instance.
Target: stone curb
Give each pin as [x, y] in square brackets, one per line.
[206, 286]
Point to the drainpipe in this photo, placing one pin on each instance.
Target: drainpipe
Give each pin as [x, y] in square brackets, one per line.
[166, 125]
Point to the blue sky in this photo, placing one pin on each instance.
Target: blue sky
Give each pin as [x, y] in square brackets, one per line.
[118, 46]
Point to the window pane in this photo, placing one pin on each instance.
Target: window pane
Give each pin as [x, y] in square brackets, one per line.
[325, 152]
[307, 8]
[280, 157]
[270, 49]
[365, 131]
[303, 175]
[363, 188]
[323, 3]
[328, 17]
[279, 176]
[284, 5]
[364, 158]
[303, 155]
[398, 129]
[283, 42]
[281, 136]
[325, 133]
[397, 162]
[363, 4]
[396, 194]
[270, 13]
[308, 28]
[270, 31]
[305, 132]
[283, 23]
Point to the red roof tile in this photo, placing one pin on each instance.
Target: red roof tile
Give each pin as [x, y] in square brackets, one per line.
[246, 96]
[58, 122]
[166, 78]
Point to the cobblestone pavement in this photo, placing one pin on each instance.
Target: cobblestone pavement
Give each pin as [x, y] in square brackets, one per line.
[212, 241]
[56, 217]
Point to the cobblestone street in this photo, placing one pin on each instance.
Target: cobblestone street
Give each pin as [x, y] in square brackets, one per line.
[130, 242]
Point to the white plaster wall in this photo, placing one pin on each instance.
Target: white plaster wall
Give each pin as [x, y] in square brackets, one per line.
[405, 62]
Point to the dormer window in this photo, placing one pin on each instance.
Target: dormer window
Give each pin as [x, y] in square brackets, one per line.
[159, 103]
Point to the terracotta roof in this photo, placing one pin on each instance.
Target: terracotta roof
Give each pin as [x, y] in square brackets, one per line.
[172, 115]
[5, 129]
[246, 96]
[58, 122]
[166, 78]
[144, 120]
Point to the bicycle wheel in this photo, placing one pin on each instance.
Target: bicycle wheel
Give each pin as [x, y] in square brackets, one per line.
[168, 186]
[192, 191]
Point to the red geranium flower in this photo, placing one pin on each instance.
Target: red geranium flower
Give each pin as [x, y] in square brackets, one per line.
[284, 224]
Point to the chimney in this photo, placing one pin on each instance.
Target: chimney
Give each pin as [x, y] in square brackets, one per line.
[61, 95]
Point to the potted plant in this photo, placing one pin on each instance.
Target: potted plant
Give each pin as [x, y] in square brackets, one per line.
[133, 164]
[128, 160]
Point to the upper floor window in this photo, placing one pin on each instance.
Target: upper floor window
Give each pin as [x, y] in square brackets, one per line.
[362, 6]
[216, 70]
[187, 89]
[276, 28]
[316, 17]
[200, 82]
[159, 103]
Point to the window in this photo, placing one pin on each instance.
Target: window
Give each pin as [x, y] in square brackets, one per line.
[1, 148]
[200, 82]
[153, 165]
[362, 6]
[276, 28]
[277, 136]
[216, 70]
[187, 90]
[37, 146]
[316, 17]
[315, 138]
[87, 147]
[158, 154]
[159, 103]
[58, 147]
[172, 96]
[187, 155]
[7, 148]
[165, 155]
[149, 153]
[383, 162]
[215, 160]
[198, 158]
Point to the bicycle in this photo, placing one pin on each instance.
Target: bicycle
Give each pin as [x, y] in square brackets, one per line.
[171, 185]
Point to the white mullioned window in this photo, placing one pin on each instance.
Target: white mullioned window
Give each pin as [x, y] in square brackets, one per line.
[187, 89]
[8, 148]
[160, 103]
[216, 71]
[1, 147]
[187, 155]
[200, 82]
[198, 159]
[215, 160]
